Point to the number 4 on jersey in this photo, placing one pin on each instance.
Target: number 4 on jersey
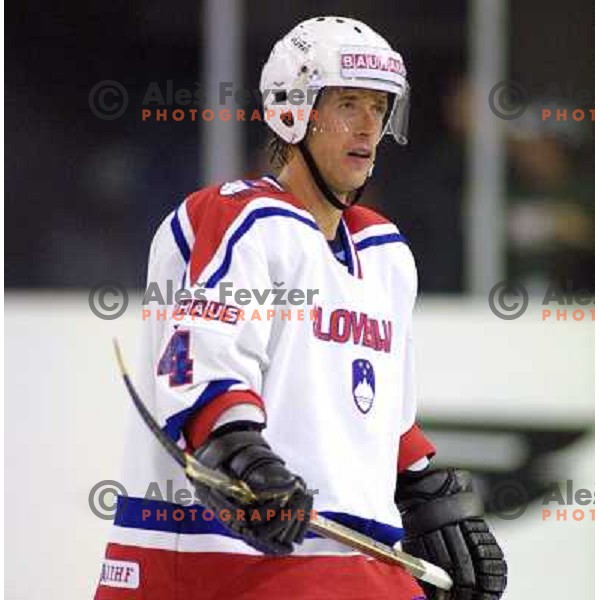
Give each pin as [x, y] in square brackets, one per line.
[175, 361]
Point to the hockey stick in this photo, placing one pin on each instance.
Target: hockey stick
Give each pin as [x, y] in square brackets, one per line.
[326, 528]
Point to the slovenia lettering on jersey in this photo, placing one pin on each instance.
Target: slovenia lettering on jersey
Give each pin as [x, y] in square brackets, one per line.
[345, 326]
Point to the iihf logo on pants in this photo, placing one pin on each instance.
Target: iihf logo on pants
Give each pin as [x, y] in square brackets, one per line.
[363, 384]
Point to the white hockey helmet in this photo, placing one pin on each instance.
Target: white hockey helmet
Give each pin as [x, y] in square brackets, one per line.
[330, 51]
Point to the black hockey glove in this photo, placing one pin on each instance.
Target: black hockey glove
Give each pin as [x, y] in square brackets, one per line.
[270, 525]
[444, 525]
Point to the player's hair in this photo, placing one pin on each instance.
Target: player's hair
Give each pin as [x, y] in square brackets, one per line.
[279, 151]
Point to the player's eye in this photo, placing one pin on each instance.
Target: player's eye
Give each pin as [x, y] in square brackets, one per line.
[380, 108]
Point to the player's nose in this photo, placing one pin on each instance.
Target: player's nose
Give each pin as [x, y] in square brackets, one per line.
[368, 122]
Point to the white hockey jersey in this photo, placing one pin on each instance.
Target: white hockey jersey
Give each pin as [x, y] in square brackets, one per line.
[333, 379]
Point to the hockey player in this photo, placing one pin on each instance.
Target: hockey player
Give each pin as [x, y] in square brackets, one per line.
[315, 412]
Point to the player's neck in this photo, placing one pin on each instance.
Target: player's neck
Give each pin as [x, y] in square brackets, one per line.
[296, 179]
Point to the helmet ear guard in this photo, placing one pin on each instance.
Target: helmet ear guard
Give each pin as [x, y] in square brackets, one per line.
[288, 110]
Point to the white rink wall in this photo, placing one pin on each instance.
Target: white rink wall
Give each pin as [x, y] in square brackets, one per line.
[65, 406]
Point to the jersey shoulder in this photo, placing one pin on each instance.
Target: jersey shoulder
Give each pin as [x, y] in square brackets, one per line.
[364, 222]
[216, 207]
[359, 217]
[380, 238]
[223, 214]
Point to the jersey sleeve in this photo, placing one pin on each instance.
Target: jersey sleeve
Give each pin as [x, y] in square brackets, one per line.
[213, 352]
[413, 445]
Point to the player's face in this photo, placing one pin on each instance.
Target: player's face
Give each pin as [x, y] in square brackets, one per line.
[344, 139]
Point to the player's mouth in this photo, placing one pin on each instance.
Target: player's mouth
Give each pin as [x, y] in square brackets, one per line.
[360, 156]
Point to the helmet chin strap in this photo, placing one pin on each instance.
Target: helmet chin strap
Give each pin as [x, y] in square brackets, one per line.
[323, 187]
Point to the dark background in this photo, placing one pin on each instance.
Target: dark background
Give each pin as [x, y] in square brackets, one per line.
[84, 195]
